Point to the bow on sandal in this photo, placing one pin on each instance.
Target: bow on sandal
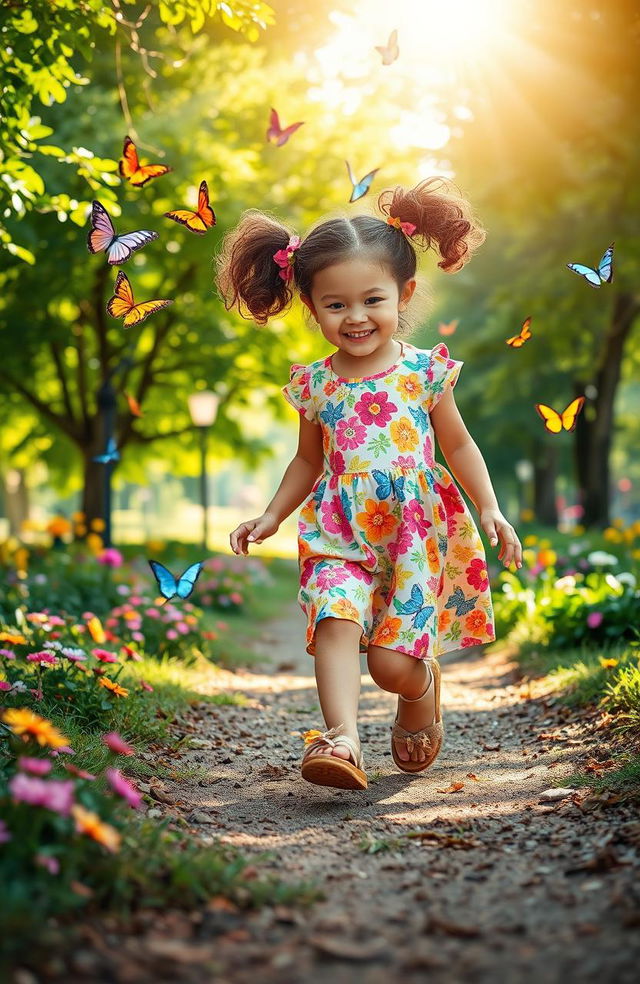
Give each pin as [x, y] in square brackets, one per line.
[329, 770]
[429, 738]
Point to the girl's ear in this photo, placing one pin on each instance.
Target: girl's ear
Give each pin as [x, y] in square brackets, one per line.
[309, 304]
[406, 294]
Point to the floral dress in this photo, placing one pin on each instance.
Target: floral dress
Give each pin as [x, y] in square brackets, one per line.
[385, 538]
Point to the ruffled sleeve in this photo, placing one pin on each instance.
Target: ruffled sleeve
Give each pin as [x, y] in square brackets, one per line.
[442, 372]
[297, 392]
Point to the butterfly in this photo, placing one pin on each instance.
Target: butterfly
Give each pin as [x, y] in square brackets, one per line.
[462, 606]
[346, 505]
[103, 236]
[131, 169]
[134, 407]
[447, 328]
[276, 132]
[111, 453]
[122, 304]
[416, 607]
[332, 414]
[517, 340]
[389, 486]
[555, 422]
[360, 188]
[198, 221]
[390, 51]
[604, 273]
[169, 586]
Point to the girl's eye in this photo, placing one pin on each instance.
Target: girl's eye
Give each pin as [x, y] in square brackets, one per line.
[334, 306]
[373, 300]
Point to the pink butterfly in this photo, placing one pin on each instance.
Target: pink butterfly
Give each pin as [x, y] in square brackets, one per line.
[103, 236]
[276, 132]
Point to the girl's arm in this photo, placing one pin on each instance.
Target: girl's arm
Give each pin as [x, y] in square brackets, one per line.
[297, 482]
[465, 460]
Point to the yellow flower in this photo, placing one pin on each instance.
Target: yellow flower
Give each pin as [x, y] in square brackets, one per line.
[95, 542]
[433, 556]
[155, 546]
[529, 556]
[607, 663]
[20, 559]
[404, 434]
[547, 557]
[611, 535]
[345, 609]
[310, 735]
[97, 525]
[95, 630]
[113, 686]
[462, 553]
[530, 541]
[410, 386]
[80, 529]
[543, 544]
[13, 638]
[78, 517]
[527, 515]
[90, 824]
[29, 725]
[618, 523]
[578, 529]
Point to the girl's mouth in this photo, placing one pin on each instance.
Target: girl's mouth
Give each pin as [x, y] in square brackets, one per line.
[356, 336]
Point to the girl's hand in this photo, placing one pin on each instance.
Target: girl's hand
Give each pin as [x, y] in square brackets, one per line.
[497, 528]
[253, 531]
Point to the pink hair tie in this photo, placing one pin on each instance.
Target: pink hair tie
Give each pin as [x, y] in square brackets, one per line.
[407, 227]
[285, 257]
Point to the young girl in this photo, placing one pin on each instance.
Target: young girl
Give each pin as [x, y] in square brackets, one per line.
[391, 562]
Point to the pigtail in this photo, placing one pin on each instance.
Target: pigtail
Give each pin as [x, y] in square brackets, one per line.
[248, 277]
[442, 219]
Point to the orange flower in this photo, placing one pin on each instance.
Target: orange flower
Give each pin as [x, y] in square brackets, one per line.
[376, 521]
[475, 621]
[113, 687]
[58, 526]
[95, 629]
[462, 553]
[13, 638]
[388, 631]
[404, 434]
[90, 824]
[345, 609]
[304, 548]
[444, 619]
[432, 555]
[410, 386]
[29, 725]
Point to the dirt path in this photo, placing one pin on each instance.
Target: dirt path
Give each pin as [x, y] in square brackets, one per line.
[505, 887]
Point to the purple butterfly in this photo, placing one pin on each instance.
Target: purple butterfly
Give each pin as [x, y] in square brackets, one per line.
[103, 236]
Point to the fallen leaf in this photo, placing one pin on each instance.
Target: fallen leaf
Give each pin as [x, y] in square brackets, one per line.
[455, 787]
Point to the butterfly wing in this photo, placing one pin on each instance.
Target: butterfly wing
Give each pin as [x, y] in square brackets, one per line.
[274, 131]
[570, 415]
[122, 247]
[129, 166]
[166, 581]
[141, 311]
[102, 231]
[383, 490]
[398, 484]
[590, 275]
[447, 328]
[518, 340]
[111, 453]
[288, 132]
[362, 187]
[187, 580]
[122, 301]
[605, 267]
[134, 407]
[199, 221]
[421, 618]
[390, 51]
[147, 172]
[552, 419]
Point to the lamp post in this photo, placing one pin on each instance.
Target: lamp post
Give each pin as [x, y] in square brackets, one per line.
[203, 407]
[106, 400]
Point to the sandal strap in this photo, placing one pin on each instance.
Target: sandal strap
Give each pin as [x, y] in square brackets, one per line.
[332, 737]
[424, 738]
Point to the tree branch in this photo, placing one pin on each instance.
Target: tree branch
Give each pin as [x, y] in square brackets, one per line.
[57, 358]
[62, 423]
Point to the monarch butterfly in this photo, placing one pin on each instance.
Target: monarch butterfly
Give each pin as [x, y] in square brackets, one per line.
[604, 273]
[103, 236]
[122, 304]
[360, 188]
[448, 328]
[201, 220]
[516, 341]
[555, 422]
[277, 133]
[390, 51]
[170, 586]
[131, 169]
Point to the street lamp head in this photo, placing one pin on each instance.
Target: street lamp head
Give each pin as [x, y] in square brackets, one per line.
[524, 470]
[203, 407]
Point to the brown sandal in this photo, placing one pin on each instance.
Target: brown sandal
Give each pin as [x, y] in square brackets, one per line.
[429, 738]
[329, 770]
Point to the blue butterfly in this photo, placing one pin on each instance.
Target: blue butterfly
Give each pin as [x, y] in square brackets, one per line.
[420, 417]
[457, 601]
[416, 607]
[346, 505]
[111, 454]
[604, 273]
[331, 415]
[389, 486]
[319, 492]
[423, 361]
[169, 586]
[360, 188]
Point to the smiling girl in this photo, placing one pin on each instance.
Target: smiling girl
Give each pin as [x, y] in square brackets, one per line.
[391, 561]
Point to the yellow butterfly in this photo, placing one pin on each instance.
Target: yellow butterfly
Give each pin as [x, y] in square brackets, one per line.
[555, 422]
[517, 340]
[122, 304]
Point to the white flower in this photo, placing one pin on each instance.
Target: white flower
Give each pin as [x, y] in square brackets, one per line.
[40, 579]
[19, 685]
[566, 583]
[598, 558]
[626, 577]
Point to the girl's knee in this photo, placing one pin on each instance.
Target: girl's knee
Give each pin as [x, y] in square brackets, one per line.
[389, 668]
[337, 628]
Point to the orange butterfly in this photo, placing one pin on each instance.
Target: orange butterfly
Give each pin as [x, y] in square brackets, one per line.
[131, 169]
[199, 221]
[122, 304]
[517, 340]
[448, 328]
[555, 422]
[134, 406]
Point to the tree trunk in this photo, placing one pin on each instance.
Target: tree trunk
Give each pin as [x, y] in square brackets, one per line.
[16, 499]
[594, 431]
[93, 488]
[545, 467]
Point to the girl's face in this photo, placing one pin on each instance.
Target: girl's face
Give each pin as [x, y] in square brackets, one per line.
[357, 304]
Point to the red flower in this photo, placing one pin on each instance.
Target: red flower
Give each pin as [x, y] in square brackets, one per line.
[477, 575]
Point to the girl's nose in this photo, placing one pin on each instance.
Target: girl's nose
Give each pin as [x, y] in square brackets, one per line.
[357, 316]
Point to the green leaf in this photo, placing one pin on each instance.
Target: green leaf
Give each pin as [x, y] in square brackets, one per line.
[21, 252]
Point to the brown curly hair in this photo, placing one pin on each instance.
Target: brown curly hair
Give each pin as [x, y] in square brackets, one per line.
[249, 279]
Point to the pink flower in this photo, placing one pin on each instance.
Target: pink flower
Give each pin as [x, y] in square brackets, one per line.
[470, 641]
[375, 408]
[64, 750]
[5, 685]
[328, 577]
[594, 619]
[414, 519]
[116, 743]
[131, 653]
[104, 655]
[75, 771]
[44, 657]
[336, 462]
[401, 544]
[236, 598]
[124, 788]
[334, 519]
[404, 461]
[38, 767]
[359, 572]
[139, 637]
[146, 686]
[110, 557]
[7, 654]
[52, 794]
[350, 433]
[172, 634]
[52, 865]
[152, 612]
[422, 646]
[477, 575]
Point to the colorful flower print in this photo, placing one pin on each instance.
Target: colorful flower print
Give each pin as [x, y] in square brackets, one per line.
[350, 434]
[375, 408]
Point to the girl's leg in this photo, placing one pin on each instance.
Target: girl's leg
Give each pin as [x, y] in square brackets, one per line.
[337, 667]
[402, 674]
